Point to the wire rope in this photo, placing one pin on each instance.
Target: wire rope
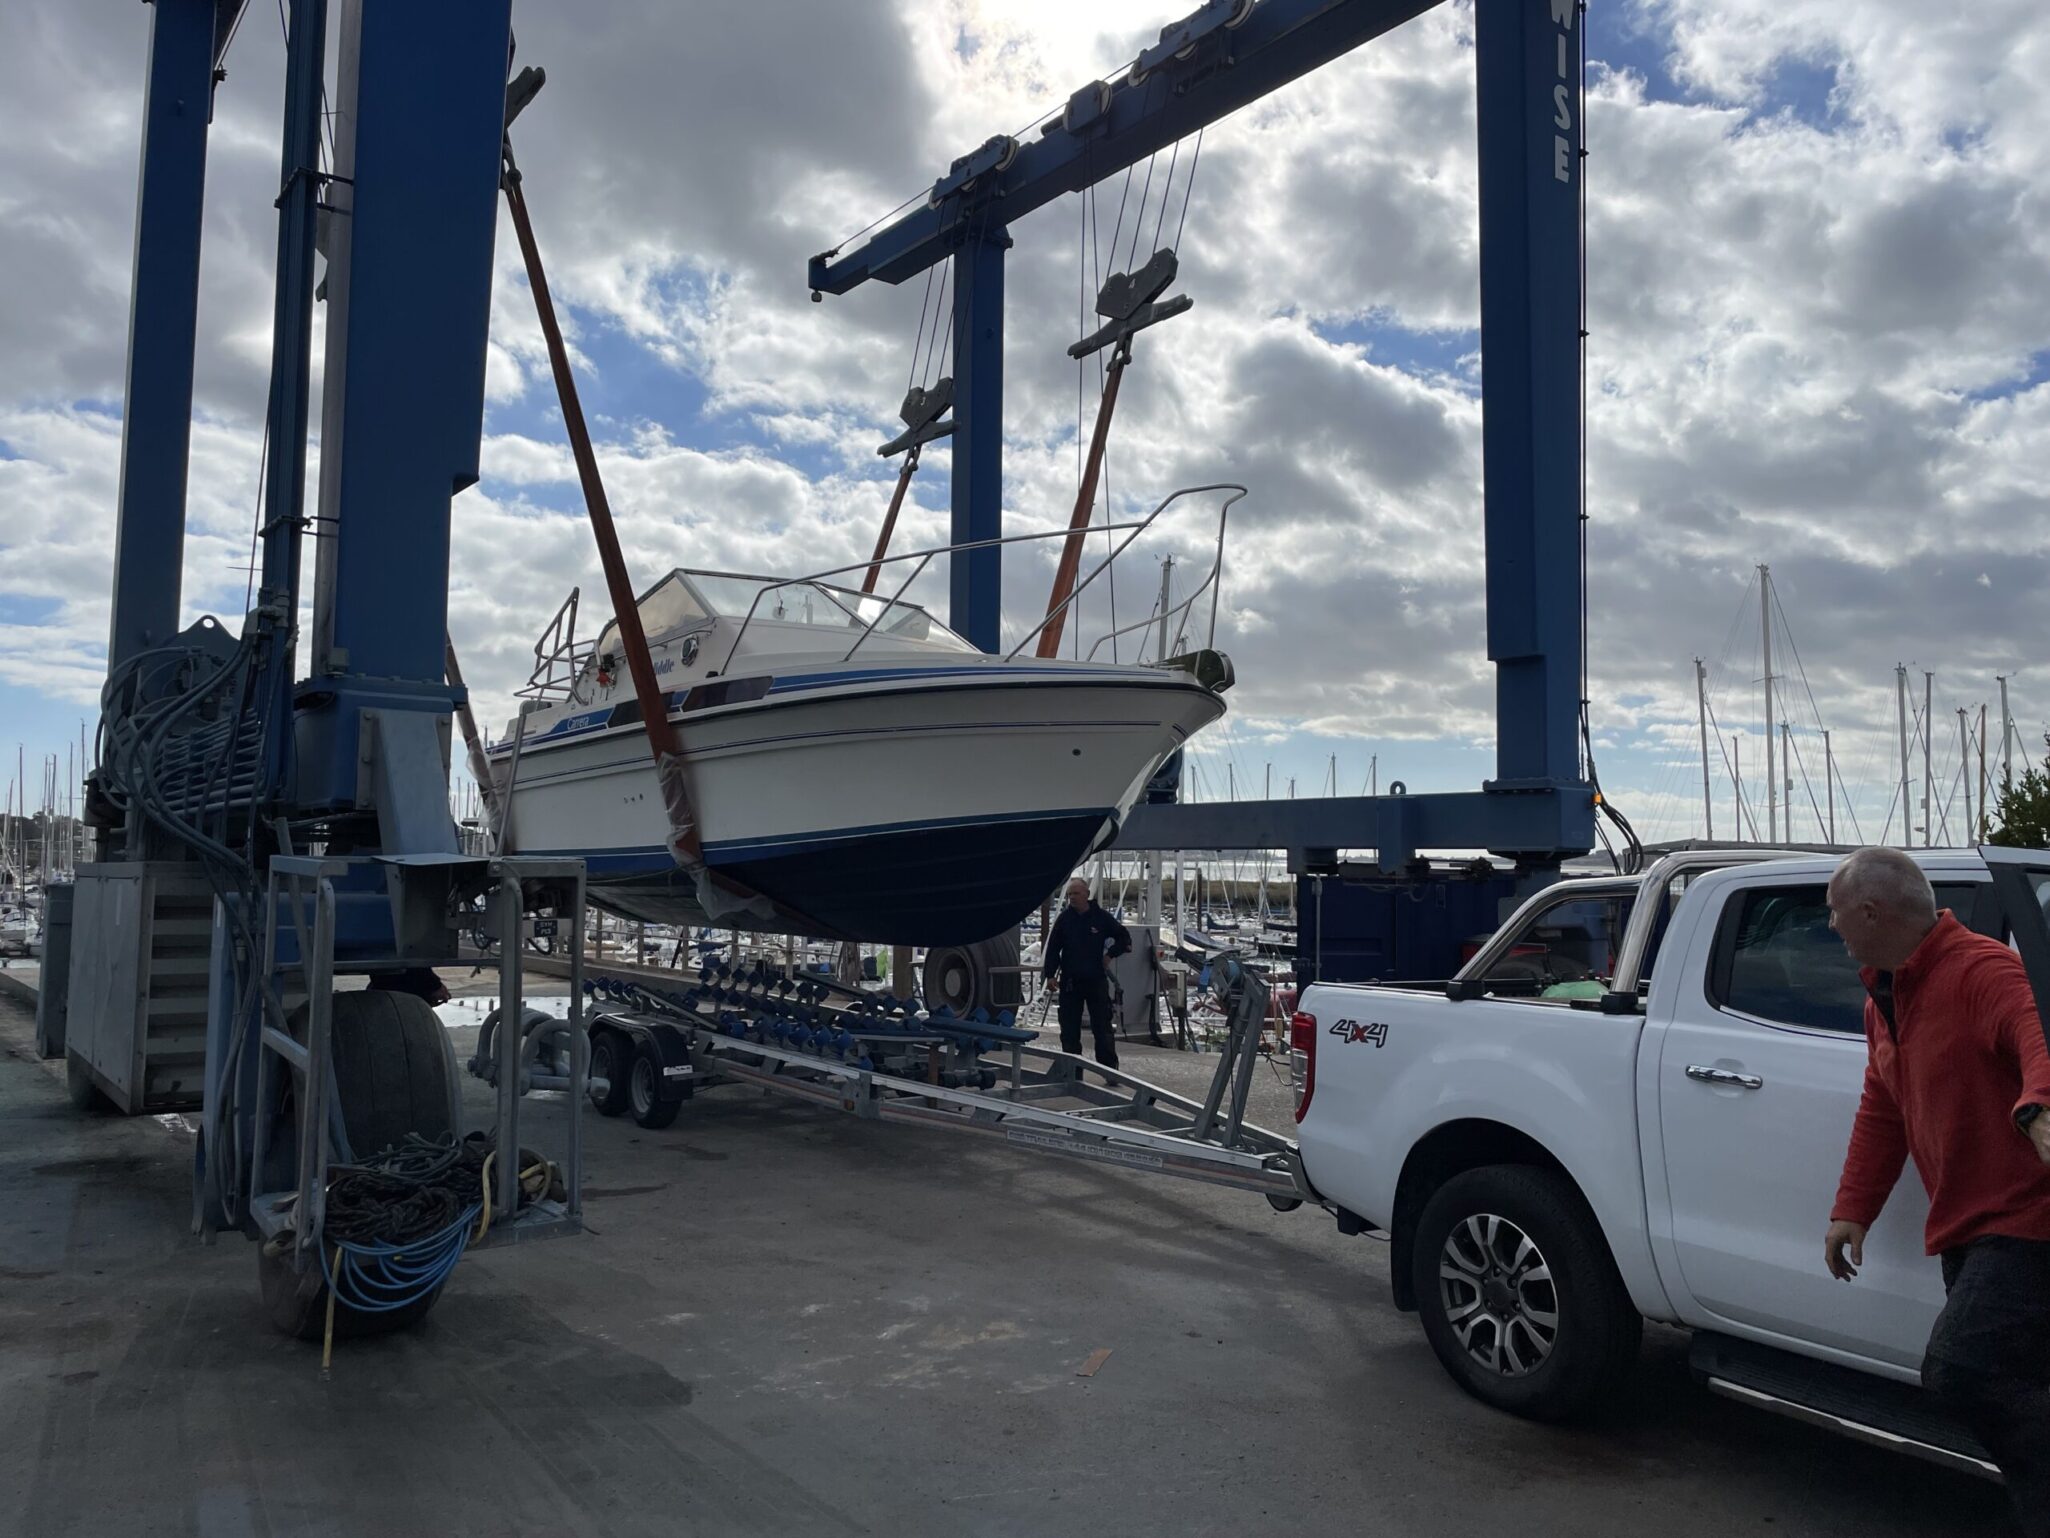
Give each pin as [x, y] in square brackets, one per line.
[1189, 186]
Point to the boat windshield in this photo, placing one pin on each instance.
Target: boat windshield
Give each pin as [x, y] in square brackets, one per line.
[668, 608]
[683, 599]
[820, 603]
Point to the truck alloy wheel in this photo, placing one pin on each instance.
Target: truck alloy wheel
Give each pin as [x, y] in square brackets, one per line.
[1497, 1294]
[1520, 1298]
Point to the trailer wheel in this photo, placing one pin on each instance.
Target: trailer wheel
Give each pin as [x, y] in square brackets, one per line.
[983, 975]
[1518, 1294]
[612, 1059]
[644, 1085]
[394, 1074]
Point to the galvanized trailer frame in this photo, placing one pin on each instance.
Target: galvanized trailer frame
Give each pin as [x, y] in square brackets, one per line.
[1031, 1097]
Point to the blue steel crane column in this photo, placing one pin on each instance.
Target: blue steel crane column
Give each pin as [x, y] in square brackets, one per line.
[1528, 80]
[975, 591]
[156, 420]
[420, 118]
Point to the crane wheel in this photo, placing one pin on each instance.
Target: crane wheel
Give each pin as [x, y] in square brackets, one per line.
[395, 1074]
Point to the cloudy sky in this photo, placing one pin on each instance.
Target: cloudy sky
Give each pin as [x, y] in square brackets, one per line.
[1818, 264]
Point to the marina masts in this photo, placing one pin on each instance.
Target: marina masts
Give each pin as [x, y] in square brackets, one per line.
[1765, 643]
[1701, 705]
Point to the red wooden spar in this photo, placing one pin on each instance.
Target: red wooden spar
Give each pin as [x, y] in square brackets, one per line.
[1129, 303]
[719, 895]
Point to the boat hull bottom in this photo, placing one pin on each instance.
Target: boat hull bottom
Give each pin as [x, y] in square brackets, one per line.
[948, 885]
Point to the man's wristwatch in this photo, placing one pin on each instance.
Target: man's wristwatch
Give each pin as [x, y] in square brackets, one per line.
[2026, 1115]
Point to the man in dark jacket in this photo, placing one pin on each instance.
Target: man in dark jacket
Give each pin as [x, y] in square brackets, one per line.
[1082, 938]
[1956, 1076]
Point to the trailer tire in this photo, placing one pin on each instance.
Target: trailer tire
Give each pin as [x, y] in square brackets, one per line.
[1482, 1240]
[983, 975]
[612, 1057]
[394, 1074]
[644, 1086]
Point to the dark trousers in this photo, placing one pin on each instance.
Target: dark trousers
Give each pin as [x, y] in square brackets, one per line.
[1989, 1361]
[1095, 994]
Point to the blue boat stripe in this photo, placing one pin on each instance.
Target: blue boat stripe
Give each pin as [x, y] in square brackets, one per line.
[801, 842]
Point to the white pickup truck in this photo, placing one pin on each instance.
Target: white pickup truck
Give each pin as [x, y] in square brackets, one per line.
[1631, 1104]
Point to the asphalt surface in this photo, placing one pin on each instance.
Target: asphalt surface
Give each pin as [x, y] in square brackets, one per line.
[792, 1322]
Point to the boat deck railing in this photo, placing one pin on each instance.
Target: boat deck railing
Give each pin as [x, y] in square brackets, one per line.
[559, 657]
[919, 560]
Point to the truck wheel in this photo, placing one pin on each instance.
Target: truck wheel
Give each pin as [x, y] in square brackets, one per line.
[611, 1060]
[644, 1087]
[394, 1073]
[1518, 1293]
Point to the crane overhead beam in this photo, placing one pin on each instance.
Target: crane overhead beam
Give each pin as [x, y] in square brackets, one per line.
[1107, 126]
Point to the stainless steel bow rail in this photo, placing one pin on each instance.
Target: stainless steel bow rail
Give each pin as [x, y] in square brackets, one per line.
[892, 1060]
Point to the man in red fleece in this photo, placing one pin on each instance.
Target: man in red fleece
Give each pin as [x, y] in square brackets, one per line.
[1958, 1076]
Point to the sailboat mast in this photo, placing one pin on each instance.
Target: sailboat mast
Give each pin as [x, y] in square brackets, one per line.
[1166, 577]
[1985, 819]
[1701, 705]
[1928, 762]
[1737, 782]
[1787, 776]
[1900, 700]
[1766, 640]
[1964, 765]
[2006, 741]
[1829, 781]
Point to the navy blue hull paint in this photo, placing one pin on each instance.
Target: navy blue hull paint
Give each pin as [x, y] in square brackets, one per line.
[922, 886]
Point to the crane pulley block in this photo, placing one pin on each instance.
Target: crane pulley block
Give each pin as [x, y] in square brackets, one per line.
[1130, 302]
[1178, 39]
[996, 154]
[921, 413]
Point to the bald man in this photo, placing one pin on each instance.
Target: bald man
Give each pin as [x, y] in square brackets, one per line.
[1957, 1075]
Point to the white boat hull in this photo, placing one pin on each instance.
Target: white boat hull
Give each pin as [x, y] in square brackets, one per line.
[905, 805]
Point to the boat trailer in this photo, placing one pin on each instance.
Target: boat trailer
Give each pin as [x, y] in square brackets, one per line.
[886, 1059]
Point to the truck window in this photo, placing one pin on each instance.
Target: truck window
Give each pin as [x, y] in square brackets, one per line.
[1565, 950]
[1777, 959]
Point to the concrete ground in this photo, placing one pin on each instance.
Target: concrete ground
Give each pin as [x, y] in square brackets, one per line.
[793, 1322]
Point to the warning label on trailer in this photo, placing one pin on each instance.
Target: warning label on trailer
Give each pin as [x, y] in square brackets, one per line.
[1061, 1142]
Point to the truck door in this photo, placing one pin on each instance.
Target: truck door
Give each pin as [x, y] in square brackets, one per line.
[1758, 1080]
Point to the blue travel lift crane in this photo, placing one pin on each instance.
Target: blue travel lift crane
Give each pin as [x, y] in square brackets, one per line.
[273, 818]
[1540, 808]
[270, 826]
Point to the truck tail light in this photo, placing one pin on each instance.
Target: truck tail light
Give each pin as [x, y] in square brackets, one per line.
[1302, 1060]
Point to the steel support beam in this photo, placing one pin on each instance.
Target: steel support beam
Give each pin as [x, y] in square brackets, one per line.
[1280, 41]
[284, 486]
[1534, 824]
[419, 117]
[975, 591]
[1528, 76]
[163, 318]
